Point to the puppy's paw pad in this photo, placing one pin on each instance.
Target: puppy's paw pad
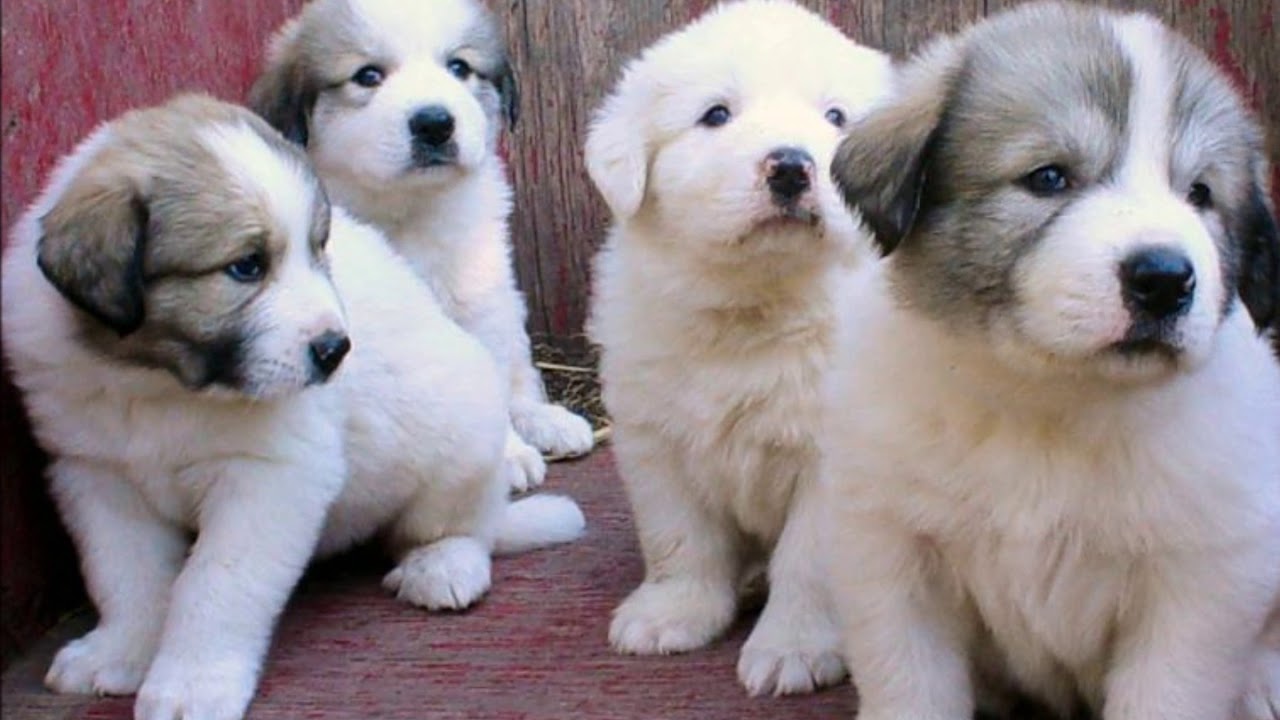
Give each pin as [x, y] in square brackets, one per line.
[101, 664]
[672, 617]
[523, 465]
[554, 430]
[449, 574]
[196, 691]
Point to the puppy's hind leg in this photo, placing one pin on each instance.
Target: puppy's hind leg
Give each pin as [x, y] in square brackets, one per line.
[444, 540]
[1261, 700]
[795, 647]
[1193, 645]
[523, 465]
[688, 596]
[130, 558]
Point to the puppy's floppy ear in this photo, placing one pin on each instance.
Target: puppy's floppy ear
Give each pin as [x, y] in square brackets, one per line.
[616, 153]
[91, 248]
[882, 166]
[1260, 255]
[284, 94]
[504, 78]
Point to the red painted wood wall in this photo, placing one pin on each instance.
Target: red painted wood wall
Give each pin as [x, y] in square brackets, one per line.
[68, 64]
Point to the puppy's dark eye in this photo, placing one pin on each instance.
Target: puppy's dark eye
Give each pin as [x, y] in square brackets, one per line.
[1200, 196]
[369, 76]
[1047, 180]
[715, 117]
[249, 269]
[459, 69]
[836, 117]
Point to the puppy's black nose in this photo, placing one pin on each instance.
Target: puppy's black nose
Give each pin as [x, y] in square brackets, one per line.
[328, 350]
[788, 171]
[1158, 281]
[432, 125]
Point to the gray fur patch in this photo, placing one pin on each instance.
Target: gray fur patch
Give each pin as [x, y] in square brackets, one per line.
[1045, 86]
[145, 232]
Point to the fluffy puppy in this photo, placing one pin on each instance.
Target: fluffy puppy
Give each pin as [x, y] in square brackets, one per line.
[173, 305]
[400, 105]
[713, 310]
[1053, 455]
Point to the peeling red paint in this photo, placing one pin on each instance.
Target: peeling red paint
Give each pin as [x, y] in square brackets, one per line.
[1225, 56]
[843, 20]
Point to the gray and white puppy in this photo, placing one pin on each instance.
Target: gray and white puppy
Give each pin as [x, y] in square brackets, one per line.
[1053, 457]
[400, 106]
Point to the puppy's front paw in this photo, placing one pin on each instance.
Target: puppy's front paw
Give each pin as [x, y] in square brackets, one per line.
[104, 662]
[449, 574]
[197, 689]
[671, 616]
[522, 464]
[790, 655]
[1261, 700]
[553, 429]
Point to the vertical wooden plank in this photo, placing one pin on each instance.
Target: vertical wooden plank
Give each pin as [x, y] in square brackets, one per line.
[909, 23]
[567, 55]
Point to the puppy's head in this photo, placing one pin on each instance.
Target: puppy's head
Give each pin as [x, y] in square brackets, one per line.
[192, 238]
[1079, 188]
[387, 91]
[725, 130]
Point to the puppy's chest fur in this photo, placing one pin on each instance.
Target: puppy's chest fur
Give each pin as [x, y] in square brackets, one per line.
[1055, 526]
[732, 392]
[455, 237]
[169, 443]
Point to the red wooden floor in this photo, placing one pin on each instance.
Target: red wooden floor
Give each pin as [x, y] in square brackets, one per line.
[535, 649]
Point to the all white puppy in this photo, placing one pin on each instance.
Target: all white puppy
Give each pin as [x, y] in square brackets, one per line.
[173, 304]
[400, 105]
[713, 308]
[1054, 448]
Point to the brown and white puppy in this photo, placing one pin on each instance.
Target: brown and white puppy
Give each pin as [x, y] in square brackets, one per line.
[204, 349]
[713, 308]
[400, 106]
[1053, 455]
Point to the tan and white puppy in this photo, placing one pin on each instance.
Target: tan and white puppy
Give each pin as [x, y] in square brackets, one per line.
[173, 305]
[712, 306]
[1053, 458]
[400, 106]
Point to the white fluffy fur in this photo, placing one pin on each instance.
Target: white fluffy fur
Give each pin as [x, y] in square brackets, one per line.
[405, 440]
[450, 222]
[716, 325]
[1107, 529]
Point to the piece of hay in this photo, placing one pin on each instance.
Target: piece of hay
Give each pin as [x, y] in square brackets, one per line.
[570, 368]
